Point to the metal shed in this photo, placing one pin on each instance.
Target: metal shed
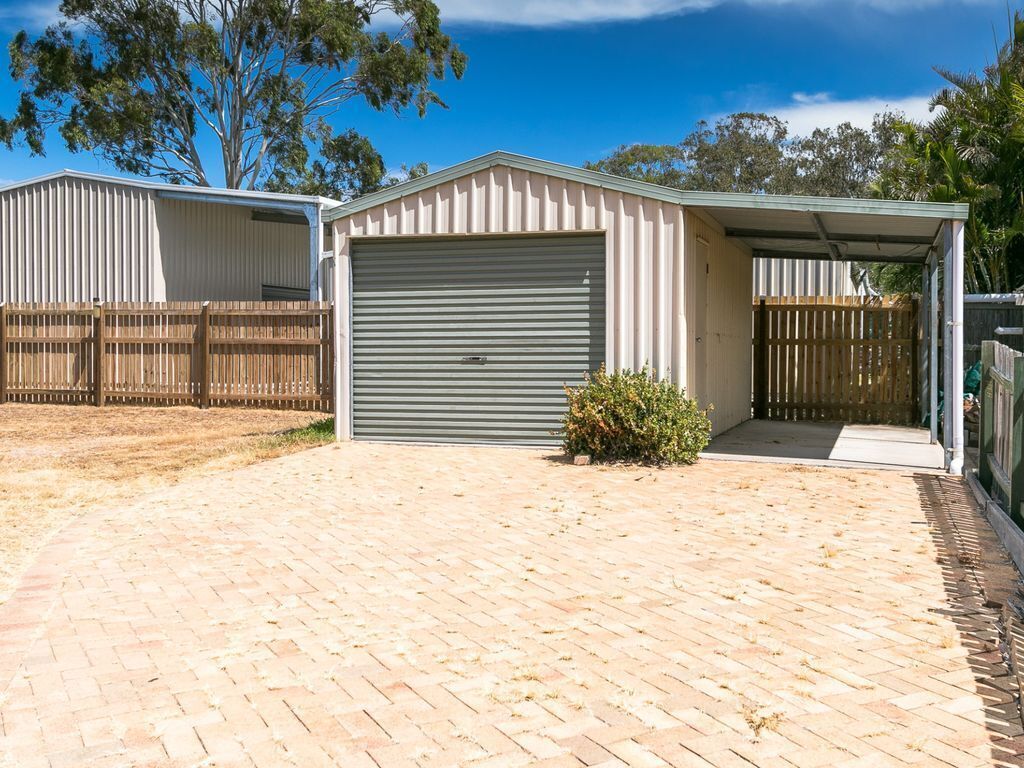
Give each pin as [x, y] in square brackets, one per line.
[467, 298]
[72, 236]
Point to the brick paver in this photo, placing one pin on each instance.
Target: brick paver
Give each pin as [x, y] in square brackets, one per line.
[372, 605]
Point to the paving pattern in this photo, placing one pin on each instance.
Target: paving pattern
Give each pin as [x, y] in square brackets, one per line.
[373, 605]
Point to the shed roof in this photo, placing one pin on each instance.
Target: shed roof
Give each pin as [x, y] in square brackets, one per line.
[212, 194]
[788, 226]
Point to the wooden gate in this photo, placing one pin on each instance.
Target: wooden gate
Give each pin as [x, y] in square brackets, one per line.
[852, 359]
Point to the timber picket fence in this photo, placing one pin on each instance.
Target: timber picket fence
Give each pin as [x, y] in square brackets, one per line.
[1001, 439]
[837, 358]
[253, 354]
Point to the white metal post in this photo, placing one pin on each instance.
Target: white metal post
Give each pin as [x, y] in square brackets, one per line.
[953, 396]
[933, 347]
[923, 327]
[315, 247]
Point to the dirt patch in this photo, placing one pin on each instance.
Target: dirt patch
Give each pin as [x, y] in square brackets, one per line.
[57, 461]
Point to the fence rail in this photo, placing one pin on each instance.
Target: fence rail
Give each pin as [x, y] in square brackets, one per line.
[852, 359]
[264, 354]
[1001, 442]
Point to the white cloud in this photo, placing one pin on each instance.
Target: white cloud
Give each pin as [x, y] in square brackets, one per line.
[523, 13]
[544, 13]
[33, 16]
[820, 110]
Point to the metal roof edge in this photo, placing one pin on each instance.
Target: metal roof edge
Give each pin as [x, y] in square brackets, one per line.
[185, 189]
[958, 211]
[413, 186]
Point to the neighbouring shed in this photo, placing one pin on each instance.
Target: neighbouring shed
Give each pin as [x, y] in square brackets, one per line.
[801, 277]
[74, 236]
[468, 298]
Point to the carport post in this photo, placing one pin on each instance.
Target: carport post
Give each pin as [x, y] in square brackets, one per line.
[933, 346]
[923, 327]
[953, 353]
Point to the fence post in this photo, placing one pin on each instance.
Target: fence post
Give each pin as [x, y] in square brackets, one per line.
[204, 354]
[327, 357]
[1016, 469]
[986, 438]
[99, 350]
[761, 362]
[3, 353]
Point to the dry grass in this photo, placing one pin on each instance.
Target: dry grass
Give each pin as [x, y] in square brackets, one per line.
[59, 461]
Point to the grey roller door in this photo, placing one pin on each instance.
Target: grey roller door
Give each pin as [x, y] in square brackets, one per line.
[472, 339]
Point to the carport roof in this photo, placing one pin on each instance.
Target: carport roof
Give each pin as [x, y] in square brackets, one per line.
[784, 226]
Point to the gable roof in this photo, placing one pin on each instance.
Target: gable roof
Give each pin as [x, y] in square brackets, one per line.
[720, 200]
[210, 194]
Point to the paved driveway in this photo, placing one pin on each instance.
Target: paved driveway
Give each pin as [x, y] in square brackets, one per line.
[370, 605]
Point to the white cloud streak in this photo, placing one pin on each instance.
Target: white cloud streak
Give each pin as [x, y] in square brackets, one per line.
[31, 16]
[531, 13]
[820, 110]
[547, 13]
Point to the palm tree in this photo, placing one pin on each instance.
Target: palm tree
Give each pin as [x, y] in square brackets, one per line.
[973, 151]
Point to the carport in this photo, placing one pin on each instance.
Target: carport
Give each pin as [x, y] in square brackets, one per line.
[928, 235]
[467, 298]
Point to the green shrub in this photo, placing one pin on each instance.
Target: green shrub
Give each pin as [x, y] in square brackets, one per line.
[628, 416]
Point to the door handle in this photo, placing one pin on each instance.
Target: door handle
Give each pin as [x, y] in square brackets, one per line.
[475, 359]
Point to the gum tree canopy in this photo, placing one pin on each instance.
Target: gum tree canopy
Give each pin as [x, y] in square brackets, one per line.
[152, 84]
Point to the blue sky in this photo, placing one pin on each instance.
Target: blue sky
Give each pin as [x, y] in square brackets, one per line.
[568, 80]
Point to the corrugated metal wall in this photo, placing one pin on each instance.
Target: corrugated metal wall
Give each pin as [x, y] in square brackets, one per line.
[801, 277]
[729, 325]
[70, 239]
[646, 309]
[472, 339]
[217, 252]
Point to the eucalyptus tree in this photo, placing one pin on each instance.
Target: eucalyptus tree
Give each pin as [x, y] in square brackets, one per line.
[188, 90]
[743, 152]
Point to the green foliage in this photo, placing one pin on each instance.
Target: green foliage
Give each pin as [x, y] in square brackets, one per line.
[348, 166]
[664, 164]
[753, 152]
[315, 433]
[628, 416]
[145, 84]
[744, 152]
[845, 160]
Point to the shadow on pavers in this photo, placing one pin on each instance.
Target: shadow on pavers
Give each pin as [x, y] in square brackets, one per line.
[979, 579]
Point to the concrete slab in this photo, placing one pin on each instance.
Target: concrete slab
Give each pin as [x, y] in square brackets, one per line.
[828, 444]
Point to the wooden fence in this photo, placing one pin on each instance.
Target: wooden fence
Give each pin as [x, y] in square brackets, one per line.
[851, 359]
[1001, 442]
[265, 354]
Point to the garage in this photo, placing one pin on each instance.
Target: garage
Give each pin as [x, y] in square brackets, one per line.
[467, 298]
[471, 339]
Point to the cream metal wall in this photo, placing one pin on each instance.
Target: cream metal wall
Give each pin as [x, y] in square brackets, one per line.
[647, 262]
[73, 239]
[803, 277]
[70, 239]
[729, 324]
[217, 252]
